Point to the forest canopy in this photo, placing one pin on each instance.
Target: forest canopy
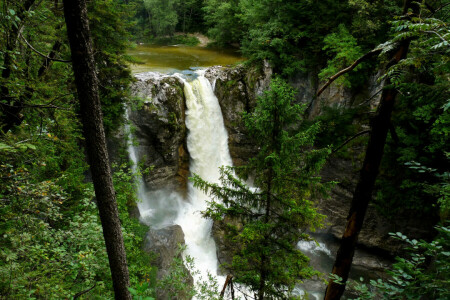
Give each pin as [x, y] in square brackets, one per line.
[50, 231]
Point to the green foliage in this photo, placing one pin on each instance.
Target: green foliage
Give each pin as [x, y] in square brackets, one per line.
[163, 16]
[344, 49]
[51, 236]
[111, 40]
[139, 263]
[422, 274]
[430, 44]
[178, 281]
[422, 128]
[157, 19]
[263, 224]
[36, 86]
[222, 17]
[47, 251]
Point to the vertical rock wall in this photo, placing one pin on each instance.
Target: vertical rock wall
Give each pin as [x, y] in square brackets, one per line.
[160, 131]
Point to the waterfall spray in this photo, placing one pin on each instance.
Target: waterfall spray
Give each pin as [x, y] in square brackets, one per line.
[207, 143]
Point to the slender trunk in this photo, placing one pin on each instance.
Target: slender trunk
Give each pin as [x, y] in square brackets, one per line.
[46, 63]
[363, 193]
[75, 13]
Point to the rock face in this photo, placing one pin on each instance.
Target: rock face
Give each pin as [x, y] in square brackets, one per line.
[161, 131]
[237, 90]
[376, 228]
[165, 244]
[335, 95]
[161, 134]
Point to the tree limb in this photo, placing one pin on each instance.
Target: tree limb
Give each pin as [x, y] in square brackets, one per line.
[41, 54]
[394, 134]
[78, 295]
[366, 56]
[349, 140]
[440, 36]
[227, 282]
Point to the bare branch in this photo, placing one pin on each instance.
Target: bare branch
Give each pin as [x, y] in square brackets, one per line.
[23, 105]
[227, 282]
[78, 295]
[349, 68]
[350, 139]
[440, 36]
[41, 54]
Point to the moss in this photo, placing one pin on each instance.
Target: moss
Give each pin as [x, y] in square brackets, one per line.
[230, 83]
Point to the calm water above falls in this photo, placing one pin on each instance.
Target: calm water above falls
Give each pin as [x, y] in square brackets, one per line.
[172, 59]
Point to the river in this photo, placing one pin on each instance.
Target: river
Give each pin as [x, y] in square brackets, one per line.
[177, 58]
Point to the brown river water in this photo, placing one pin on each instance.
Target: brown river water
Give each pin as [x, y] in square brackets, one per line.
[170, 59]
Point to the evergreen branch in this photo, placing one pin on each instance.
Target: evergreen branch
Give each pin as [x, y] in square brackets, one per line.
[40, 53]
[349, 68]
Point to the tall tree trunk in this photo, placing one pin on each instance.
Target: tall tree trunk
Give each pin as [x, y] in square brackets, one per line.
[363, 193]
[75, 13]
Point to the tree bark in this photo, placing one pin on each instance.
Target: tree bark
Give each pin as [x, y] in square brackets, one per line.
[363, 193]
[78, 32]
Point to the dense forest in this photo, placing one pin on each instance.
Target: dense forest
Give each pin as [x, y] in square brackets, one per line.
[55, 194]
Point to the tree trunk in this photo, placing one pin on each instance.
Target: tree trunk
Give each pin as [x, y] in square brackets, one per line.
[75, 13]
[363, 193]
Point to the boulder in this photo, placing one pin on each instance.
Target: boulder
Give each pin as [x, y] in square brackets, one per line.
[165, 243]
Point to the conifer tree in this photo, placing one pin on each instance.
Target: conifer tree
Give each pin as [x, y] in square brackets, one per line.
[273, 215]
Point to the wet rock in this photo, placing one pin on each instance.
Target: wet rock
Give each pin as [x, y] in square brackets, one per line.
[165, 244]
[225, 250]
[374, 236]
[237, 89]
[161, 131]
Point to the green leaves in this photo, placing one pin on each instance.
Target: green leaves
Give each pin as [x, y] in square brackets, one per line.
[344, 50]
[262, 223]
[423, 273]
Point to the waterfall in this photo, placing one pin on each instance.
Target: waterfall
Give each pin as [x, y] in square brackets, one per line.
[156, 208]
[207, 142]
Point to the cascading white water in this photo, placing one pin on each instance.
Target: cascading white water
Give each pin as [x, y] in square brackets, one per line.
[207, 142]
[156, 208]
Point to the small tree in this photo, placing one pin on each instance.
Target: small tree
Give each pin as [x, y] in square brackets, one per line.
[273, 216]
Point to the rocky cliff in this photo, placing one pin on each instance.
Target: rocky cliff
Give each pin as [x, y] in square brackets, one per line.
[160, 130]
[161, 134]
